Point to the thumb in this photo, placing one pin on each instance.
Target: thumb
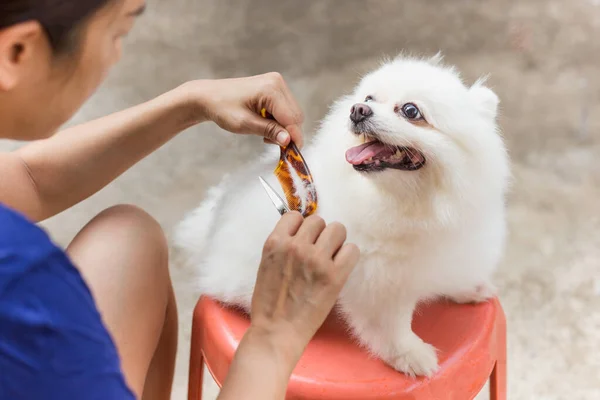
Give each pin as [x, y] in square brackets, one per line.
[268, 128]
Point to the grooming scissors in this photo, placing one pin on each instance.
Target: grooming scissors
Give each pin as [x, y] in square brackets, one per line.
[280, 205]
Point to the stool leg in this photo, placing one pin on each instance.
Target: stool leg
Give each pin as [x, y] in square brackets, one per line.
[498, 379]
[196, 368]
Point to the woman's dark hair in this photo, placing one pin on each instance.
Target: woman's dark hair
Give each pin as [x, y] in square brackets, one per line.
[61, 19]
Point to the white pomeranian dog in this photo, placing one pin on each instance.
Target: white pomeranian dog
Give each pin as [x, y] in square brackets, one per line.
[413, 164]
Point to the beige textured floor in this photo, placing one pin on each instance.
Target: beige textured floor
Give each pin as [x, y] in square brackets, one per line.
[543, 58]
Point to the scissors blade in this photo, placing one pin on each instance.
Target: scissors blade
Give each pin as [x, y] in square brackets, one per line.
[277, 201]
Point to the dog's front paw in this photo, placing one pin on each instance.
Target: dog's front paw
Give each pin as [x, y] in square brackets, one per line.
[418, 359]
[479, 294]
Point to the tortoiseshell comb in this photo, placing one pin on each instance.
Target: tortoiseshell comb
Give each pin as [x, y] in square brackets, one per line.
[295, 179]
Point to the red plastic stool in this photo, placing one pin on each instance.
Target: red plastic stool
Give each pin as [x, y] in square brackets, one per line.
[471, 343]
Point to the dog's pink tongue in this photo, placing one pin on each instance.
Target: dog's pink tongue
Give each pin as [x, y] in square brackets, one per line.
[359, 154]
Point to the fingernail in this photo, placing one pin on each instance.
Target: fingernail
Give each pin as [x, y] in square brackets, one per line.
[282, 138]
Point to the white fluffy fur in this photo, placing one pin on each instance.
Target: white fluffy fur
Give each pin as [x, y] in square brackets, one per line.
[438, 231]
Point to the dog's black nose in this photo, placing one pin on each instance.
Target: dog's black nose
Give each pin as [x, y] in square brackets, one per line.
[359, 112]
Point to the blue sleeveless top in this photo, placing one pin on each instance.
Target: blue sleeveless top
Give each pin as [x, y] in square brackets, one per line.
[53, 344]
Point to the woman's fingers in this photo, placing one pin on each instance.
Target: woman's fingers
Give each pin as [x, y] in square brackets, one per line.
[282, 105]
[288, 224]
[332, 238]
[346, 259]
[311, 229]
[268, 128]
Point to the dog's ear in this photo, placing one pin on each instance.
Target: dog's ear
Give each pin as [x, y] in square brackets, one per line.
[485, 98]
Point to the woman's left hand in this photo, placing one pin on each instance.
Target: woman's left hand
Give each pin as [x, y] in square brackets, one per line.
[235, 105]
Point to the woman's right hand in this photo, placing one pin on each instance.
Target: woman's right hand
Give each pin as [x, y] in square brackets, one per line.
[304, 266]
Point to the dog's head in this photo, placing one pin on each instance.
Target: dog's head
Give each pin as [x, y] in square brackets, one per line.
[414, 120]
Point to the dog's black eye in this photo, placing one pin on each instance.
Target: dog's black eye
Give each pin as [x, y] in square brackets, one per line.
[368, 99]
[411, 111]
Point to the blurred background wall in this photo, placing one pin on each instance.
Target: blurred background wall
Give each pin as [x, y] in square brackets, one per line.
[543, 60]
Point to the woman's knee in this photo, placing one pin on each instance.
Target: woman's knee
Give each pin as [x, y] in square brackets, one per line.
[122, 253]
[130, 219]
[126, 231]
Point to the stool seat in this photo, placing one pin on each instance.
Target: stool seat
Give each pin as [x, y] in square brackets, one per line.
[470, 340]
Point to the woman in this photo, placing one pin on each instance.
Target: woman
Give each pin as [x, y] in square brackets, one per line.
[100, 320]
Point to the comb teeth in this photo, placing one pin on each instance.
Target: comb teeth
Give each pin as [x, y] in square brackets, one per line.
[301, 196]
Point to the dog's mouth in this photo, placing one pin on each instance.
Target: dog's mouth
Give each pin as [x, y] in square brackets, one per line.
[375, 155]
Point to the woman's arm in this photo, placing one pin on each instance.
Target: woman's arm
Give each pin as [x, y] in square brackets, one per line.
[260, 370]
[47, 177]
[77, 162]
